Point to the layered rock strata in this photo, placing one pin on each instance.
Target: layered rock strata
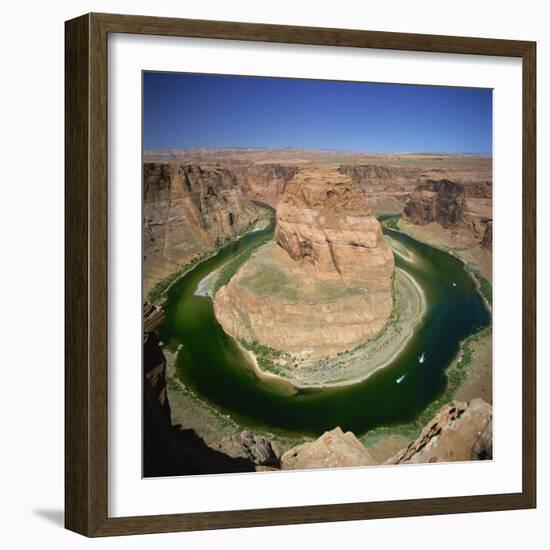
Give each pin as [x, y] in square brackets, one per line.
[464, 209]
[264, 182]
[187, 211]
[195, 201]
[386, 187]
[487, 240]
[325, 284]
[459, 431]
[324, 223]
[334, 449]
[251, 447]
[169, 450]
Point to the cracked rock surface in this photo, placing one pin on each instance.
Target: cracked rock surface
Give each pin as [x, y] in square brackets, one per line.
[459, 431]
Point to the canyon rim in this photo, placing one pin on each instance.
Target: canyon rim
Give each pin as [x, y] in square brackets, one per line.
[312, 296]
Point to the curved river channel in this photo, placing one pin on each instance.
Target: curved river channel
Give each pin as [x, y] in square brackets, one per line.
[213, 366]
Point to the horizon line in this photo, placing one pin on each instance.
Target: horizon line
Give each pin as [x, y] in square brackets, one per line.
[313, 149]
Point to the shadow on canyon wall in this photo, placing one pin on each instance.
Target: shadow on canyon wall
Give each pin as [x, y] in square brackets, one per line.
[169, 450]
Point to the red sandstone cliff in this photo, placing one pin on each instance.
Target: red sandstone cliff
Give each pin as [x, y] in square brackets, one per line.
[187, 211]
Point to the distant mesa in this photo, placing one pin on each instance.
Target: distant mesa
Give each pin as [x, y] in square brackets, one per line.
[324, 285]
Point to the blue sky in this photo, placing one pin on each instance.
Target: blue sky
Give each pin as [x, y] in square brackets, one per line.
[192, 110]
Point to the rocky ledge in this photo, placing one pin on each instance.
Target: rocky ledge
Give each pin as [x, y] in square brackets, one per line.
[188, 210]
[249, 446]
[459, 431]
[169, 450]
[325, 284]
[334, 449]
[463, 209]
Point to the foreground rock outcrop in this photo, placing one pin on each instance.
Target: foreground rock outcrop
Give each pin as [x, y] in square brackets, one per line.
[251, 447]
[334, 449]
[459, 431]
[325, 284]
[188, 210]
[169, 450]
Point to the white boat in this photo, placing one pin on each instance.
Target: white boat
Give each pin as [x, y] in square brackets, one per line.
[454, 284]
[422, 358]
[400, 379]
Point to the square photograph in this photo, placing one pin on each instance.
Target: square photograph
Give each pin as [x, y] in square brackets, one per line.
[317, 274]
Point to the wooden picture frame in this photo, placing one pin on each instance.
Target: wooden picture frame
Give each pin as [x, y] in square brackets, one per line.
[86, 282]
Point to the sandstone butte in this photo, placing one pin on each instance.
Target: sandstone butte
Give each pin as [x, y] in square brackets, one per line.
[324, 285]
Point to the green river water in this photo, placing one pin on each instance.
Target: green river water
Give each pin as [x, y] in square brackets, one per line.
[212, 365]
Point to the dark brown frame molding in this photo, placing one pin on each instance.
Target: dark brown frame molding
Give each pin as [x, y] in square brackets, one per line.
[86, 274]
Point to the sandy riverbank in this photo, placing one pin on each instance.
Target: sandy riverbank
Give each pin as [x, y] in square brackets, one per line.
[284, 385]
[360, 363]
[438, 237]
[472, 369]
[165, 283]
[211, 424]
[470, 374]
[477, 371]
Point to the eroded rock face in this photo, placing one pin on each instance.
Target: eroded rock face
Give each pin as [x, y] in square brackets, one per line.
[386, 187]
[440, 201]
[325, 284]
[264, 182]
[460, 431]
[324, 222]
[251, 447]
[154, 362]
[188, 210]
[334, 449]
[169, 450]
[487, 240]
[463, 208]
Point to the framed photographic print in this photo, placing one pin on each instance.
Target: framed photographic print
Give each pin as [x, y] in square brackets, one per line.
[300, 274]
